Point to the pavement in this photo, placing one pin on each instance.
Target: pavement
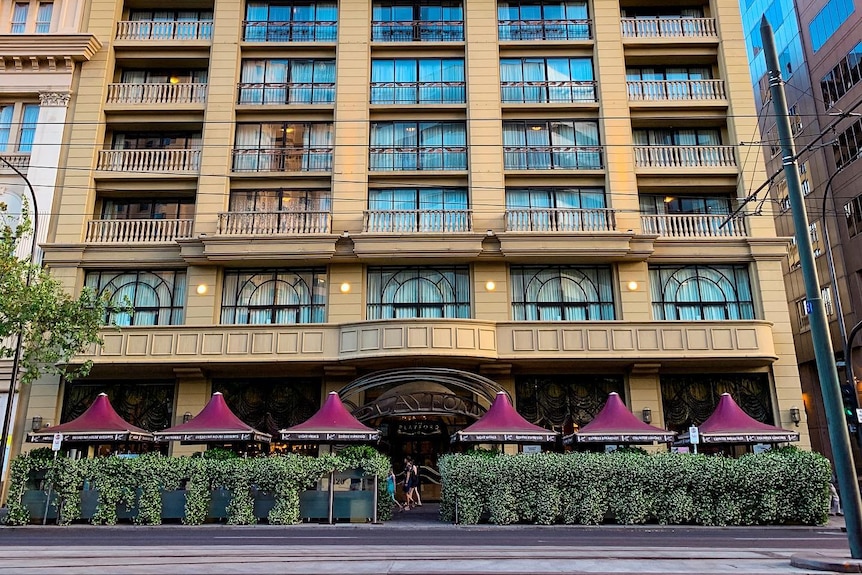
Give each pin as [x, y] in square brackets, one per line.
[316, 558]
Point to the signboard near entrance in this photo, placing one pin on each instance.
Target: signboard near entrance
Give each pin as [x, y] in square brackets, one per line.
[57, 442]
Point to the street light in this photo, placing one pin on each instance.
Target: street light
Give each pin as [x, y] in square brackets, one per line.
[16, 358]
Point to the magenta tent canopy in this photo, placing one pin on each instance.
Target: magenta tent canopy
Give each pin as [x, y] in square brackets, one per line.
[216, 423]
[100, 423]
[729, 424]
[331, 424]
[616, 424]
[503, 424]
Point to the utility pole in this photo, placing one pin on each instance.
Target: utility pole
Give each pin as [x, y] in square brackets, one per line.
[824, 355]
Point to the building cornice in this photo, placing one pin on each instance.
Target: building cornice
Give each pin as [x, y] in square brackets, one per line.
[45, 52]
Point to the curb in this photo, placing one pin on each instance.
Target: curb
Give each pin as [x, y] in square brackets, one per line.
[820, 562]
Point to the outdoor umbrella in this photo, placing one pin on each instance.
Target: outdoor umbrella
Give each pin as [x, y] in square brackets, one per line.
[331, 424]
[502, 424]
[615, 424]
[216, 423]
[98, 424]
[729, 424]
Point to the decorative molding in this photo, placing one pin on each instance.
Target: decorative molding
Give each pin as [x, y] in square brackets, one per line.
[54, 99]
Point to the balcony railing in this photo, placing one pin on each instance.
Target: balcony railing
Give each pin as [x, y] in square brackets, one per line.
[668, 28]
[181, 160]
[421, 158]
[140, 231]
[295, 31]
[19, 160]
[273, 223]
[418, 221]
[684, 156]
[157, 93]
[552, 157]
[549, 92]
[658, 90]
[287, 93]
[418, 92]
[418, 31]
[282, 160]
[544, 30]
[560, 220]
[158, 30]
[695, 225]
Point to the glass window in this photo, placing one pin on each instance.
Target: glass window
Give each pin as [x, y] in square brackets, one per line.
[433, 21]
[426, 81]
[155, 297]
[290, 21]
[697, 292]
[146, 208]
[418, 146]
[557, 209]
[848, 145]
[418, 292]
[43, 17]
[279, 296]
[827, 21]
[547, 145]
[538, 20]
[547, 80]
[296, 81]
[562, 293]
[6, 112]
[418, 210]
[283, 147]
[28, 127]
[19, 17]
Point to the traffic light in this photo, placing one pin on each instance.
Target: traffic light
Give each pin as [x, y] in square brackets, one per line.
[848, 400]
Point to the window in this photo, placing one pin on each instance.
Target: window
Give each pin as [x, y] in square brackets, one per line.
[291, 21]
[283, 147]
[547, 80]
[31, 17]
[848, 146]
[671, 83]
[163, 77]
[280, 201]
[782, 195]
[853, 215]
[549, 145]
[418, 146]
[540, 20]
[562, 293]
[432, 21]
[698, 292]
[156, 297]
[846, 74]
[43, 17]
[802, 308]
[287, 82]
[279, 296]
[660, 204]
[278, 211]
[418, 292]
[677, 137]
[146, 208]
[827, 21]
[167, 141]
[418, 210]
[19, 17]
[426, 81]
[557, 209]
[171, 24]
[18, 126]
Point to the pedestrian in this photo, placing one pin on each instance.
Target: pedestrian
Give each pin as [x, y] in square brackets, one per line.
[390, 489]
[835, 500]
[408, 483]
[417, 485]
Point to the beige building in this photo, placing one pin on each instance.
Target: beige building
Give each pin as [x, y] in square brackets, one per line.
[418, 204]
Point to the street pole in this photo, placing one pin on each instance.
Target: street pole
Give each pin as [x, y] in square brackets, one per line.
[823, 352]
[16, 358]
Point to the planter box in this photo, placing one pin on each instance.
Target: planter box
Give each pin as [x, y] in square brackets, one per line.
[35, 499]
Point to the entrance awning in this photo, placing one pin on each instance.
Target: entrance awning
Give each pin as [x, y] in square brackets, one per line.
[99, 424]
[503, 424]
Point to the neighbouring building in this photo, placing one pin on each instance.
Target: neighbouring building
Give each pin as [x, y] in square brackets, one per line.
[417, 204]
[820, 55]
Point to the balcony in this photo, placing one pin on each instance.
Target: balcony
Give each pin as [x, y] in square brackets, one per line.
[418, 31]
[514, 30]
[149, 161]
[21, 161]
[272, 94]
[552, 157]
[273, 223]
[166, 93]
[672, 28]
[294, 31]
[548, 92]
[159, 30]
[685, 157]
[137, 231]
[418, 159]
[418, 92]
[282, 160]
[675, 90]
[695, 225]
[560, 220]
[417, 221]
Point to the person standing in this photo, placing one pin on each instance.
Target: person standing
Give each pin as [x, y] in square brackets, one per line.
[408, 483]
[417, 484]
[390, 489]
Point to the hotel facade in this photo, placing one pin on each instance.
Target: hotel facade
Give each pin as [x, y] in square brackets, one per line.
[417, 205]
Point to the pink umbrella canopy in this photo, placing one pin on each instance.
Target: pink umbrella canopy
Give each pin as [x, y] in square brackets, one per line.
[331, 424]
[729, 424]
[616, 424]
[99, 423]
[503, 424]
[216, 423]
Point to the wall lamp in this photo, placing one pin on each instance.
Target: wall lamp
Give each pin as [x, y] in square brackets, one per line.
[647, 415]
[795, 415]
[37, 423]
[186, 417]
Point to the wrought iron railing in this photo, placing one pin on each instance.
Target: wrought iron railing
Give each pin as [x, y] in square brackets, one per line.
[695, 225]
[418, 31]
[274, 223]
[560, 220]
[684, 156]
[545, 29]
[418, 92]
[159, 30]
[286, 93]
[386, 158]
[552, 157]
[293, 31]
[668, 27]
[657, 90]
[174, 160]
[418, 221]
[282, 160]
[161, 93]
[549, 91]
[138, 231]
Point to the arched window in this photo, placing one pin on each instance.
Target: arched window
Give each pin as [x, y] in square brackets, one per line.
[274, 296]
[155, 298]
[418, 292]
[562, 293]
[694, 292]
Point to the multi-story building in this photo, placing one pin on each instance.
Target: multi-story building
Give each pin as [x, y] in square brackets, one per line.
[41, 48]
[418, 204]
[821, 62]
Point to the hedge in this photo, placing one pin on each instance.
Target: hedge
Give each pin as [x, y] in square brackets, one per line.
[785, 486]
[140, 481]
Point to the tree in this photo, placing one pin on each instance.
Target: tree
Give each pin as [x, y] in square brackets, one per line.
[53, 326]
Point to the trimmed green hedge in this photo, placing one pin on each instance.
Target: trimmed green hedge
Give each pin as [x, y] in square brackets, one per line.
[141, 481]
[776, 487]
